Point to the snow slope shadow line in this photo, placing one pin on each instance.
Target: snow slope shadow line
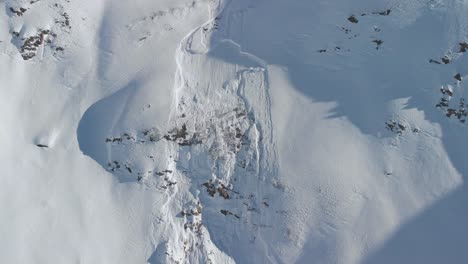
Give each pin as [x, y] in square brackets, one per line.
[98, 123]
[362, 85]
[438, 235]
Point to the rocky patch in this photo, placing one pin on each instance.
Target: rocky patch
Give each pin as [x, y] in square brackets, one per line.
[395, 127]
[19, 12]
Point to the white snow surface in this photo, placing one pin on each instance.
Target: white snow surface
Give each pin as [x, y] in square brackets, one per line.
[233, 131]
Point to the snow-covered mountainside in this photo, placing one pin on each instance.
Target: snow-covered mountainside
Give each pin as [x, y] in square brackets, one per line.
[233, 131]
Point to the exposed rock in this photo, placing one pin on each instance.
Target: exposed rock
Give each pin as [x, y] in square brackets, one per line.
[383, 13]
[378, 42]
[227, 212]
[463, 47]
[445, 60]
[18, 12]
[353, 19]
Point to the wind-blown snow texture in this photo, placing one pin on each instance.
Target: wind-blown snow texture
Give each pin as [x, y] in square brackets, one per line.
[233, 131]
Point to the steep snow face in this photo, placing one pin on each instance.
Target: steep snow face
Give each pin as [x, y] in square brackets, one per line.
[361, 146]
[57, 205]
[58, 60]
[238, 131]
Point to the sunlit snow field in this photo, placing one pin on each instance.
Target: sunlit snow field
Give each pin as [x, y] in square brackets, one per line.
[233, 131]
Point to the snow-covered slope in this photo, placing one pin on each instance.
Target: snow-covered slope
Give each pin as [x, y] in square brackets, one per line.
[241, 131]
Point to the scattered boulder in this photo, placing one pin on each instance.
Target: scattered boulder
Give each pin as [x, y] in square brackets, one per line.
[463, 47]
[395, 127]
[210, 188]
[31, 44]
[446, 91]
[18, 12]
[223, 192]
[353, 19]
[383, 13]
[378, 42]
[227, 212]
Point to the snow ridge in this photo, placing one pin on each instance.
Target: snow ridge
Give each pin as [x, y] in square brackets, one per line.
[223, 147]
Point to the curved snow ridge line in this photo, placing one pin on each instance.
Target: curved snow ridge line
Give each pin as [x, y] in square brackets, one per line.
[238, 47]
[185, 44]
[264, 71]
[264, 89]
[225, 5]
[251, 90]
[266, 129]
[184, 47]
[173, 244]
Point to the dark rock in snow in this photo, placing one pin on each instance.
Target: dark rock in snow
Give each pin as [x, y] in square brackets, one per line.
[353, 19]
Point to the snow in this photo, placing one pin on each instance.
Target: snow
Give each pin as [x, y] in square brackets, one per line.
[241, 131]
